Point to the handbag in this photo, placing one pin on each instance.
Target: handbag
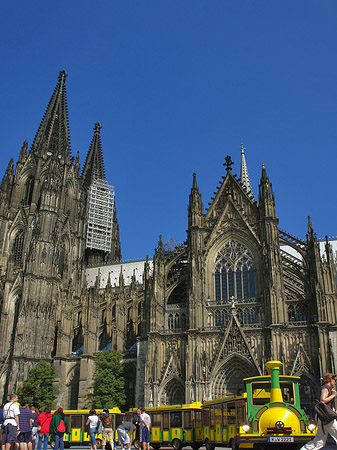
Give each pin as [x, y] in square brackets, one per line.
[325, 413]
[99, 429]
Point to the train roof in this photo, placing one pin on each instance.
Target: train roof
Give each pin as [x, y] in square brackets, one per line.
[267, 378]
[195, 405]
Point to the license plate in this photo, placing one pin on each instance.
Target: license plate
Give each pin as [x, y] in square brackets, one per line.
[280, 439]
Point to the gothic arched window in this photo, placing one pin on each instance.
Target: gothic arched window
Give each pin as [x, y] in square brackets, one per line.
[28, 191]
[234, 272]
[170, 322]
[17, 250]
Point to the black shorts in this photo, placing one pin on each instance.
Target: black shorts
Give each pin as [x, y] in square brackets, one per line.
[9, 434]
[25, 436]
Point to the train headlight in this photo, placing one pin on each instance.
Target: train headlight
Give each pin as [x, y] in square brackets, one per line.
[311, 427]
[245, 428]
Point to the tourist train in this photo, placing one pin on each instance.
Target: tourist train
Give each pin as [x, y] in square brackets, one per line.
[267, 416]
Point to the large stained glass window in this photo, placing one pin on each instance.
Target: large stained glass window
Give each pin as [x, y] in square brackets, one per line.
[234, 272]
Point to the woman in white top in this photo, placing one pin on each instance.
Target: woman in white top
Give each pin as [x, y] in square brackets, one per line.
[92, 422]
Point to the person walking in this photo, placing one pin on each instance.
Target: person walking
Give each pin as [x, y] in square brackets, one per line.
[35, 415]
[125, 432]
[26, 424]
[43, 425]
[59, 426]
[11, 414]
[327, 395]
[106, 420]
[137, 422]
[92, 423]
[145, 428]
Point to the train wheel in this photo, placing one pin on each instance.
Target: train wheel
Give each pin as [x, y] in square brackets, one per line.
[52, 442]
[137, 443]
[177, 444]
[98, 443]
[195, 446]
[208, 445]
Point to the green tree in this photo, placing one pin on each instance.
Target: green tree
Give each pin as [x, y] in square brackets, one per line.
[39, 390]
[107, 390]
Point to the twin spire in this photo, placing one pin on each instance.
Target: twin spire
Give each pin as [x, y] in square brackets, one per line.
[94, 167]
[53, 134]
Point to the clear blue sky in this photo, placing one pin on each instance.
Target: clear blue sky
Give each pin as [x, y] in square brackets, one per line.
[177, 85]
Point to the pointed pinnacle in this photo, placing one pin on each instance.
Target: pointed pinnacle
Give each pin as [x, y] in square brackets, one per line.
[63, 74]
[97, 127]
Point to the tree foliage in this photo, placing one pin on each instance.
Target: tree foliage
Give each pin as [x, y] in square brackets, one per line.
[107, 390]
[39, 390]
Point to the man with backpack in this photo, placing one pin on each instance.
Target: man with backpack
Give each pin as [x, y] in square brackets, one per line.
[11, 414]
[59, 426]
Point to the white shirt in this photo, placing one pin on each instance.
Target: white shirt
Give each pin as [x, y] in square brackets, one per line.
[93, 421]
[147, 419]
[10, 410]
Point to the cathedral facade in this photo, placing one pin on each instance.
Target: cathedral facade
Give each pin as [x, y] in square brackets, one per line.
[192, 321]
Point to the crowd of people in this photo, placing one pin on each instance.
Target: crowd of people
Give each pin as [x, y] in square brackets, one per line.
[24, 428]
[103, 423]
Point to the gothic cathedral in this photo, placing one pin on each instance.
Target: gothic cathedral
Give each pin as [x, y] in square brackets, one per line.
[192, 321]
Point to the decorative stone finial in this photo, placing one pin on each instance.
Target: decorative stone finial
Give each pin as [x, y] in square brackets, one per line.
[228, 163]
[242, 148]
[97, 127]
[63, 74]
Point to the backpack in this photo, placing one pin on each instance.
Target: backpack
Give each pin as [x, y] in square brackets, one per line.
[61, 428]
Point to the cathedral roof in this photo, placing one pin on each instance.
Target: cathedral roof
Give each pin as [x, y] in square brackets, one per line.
[53, 132]
[114, 270]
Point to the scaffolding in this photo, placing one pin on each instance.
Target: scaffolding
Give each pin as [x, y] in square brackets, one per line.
[100, 211]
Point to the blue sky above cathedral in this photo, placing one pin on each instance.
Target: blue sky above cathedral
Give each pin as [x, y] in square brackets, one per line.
[177, 86]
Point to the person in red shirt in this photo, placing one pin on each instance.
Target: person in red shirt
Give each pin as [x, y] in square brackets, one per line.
[43, 422]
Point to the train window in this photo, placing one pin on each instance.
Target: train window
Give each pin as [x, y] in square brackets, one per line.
[261, 393]
[166, 421]
[176, 419]
[205, 417]
[212, 416]
[155, 420]
[188, 420]
[231, 413]
[241, 413]
[118, 420]
[75, 421]
[287, 389]
[218, 414]
[224, 416]
[198, 419]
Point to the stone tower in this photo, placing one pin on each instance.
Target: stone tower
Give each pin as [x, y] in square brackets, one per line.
[43, 225]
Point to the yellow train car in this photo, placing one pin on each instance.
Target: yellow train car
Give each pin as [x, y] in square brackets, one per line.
[176, 425]
[77, 430]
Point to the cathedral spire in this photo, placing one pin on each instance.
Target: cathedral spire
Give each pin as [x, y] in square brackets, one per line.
[266, 195]
[94, 167]
[23, 152]
[195, 207]
[53, 133]
[244, 177]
